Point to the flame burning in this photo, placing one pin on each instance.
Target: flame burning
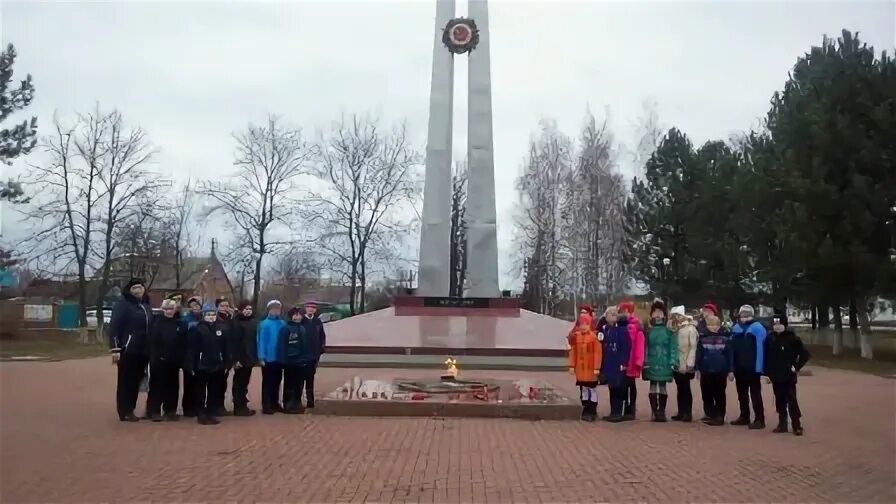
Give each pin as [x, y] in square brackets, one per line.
[451, 365]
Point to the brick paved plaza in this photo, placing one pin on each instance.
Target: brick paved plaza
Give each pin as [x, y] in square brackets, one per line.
[62, 442]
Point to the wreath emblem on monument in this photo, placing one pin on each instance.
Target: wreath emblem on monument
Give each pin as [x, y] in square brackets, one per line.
[460, 35]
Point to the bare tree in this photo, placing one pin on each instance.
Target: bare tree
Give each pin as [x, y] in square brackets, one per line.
[180, 230]
[92, 184]
[129, 187]
[458, 259]
[541, 190]
[370, 174]
[269, 160]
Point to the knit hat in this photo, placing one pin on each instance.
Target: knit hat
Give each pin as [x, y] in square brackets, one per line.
[311, 303]
[586, 308]
[780, 318]
[711, 307]
[194, 299]
[245, 303]
[626, 307]
[133, 282]
[746, 311]
[272, 303]
[677, 310]
[174, 296]
[293, 311]
[209, 308]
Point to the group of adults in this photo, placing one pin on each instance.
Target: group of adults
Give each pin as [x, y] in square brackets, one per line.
[206, 343]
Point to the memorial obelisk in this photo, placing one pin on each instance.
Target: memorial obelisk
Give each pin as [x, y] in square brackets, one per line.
[455, 36]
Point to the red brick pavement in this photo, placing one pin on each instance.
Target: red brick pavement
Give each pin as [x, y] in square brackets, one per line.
[61, 442]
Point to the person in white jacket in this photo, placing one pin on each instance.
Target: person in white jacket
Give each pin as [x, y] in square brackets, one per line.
[687, 336]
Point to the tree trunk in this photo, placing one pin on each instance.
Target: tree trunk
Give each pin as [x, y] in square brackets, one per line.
[256, 282]
[837, 336]
[814, 317]
[353, 287]
[853, 315]
[866, 336]
[82, 295]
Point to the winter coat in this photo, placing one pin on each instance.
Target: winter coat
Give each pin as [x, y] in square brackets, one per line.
[784, 353]
[167, 340]
[585, 356]
[295, 346]
[129, 328]
[316, 335]
[636, 346]
[267, 338]
[662, 354]
[243, 342]
[616, 354]
[748, 341]
[715, 353]
[686, 338]
[206, 348]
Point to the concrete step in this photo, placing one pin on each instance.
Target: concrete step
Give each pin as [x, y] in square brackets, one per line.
[511, 363]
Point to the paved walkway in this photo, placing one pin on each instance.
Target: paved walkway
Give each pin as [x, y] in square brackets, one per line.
[61, 442]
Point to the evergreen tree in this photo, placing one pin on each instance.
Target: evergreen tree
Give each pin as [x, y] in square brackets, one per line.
[21, 138]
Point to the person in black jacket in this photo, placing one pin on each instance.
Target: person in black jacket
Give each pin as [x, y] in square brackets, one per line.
[785, 355]
[167, 348]
[128, 332]
[318, 341]
[206, 359]
[224, 323]
[245, 356]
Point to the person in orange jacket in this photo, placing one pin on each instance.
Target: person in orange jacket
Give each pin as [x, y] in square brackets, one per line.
[585, 358]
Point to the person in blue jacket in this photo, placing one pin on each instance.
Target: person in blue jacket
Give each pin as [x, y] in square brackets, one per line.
[748, 341]
[269, 359]
[714, 362]
[617, 347]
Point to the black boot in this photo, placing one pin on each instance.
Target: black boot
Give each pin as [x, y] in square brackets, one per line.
[584, 416]
[243, 411]
[128, 417]
[797, 427]
[741, 420]
[616, 415]
[654, 406]
[628, 411]
[782, 424]
[592, 411]
[757, 424]
[661, 408]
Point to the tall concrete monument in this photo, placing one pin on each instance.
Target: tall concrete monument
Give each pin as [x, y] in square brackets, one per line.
[455, 36]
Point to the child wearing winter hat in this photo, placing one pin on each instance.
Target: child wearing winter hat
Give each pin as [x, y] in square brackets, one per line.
[661, 360]
[297, 360]
[785, 355]
[686, 339]
[585, 355]
[206, 360]
[615, 358]
[748, 340]
[635, 364]
[714, 362]
[267, 346]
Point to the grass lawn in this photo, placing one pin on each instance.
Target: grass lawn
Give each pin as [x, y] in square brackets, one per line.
[55, 349]
[884, 363]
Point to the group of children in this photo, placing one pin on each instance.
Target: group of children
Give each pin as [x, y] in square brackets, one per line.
[206, 343]
[615, 351]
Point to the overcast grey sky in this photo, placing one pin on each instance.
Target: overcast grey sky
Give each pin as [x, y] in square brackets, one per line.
[192, 73]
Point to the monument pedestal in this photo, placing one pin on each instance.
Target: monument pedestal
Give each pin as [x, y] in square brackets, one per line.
[450, 327]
